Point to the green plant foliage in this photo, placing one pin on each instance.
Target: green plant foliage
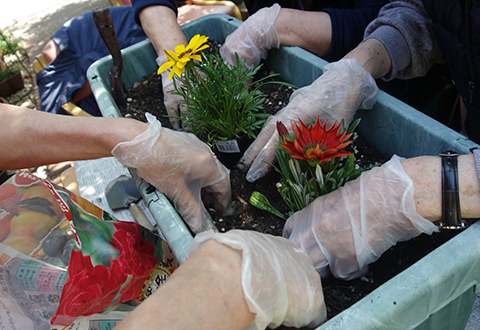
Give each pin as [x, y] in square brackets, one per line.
[218, 100]
[9, 45]
[302, 183]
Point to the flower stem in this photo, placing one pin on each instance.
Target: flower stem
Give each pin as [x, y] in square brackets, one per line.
[204, 84]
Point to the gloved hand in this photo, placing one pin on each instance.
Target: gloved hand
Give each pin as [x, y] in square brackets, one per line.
[171, 101]
[182, 167]
[352, 226]
[253, 38]
[343, 88]
[279, 282]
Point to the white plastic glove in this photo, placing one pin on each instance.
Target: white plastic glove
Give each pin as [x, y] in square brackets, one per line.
[171, 101]
[343, 88]
[253, 38]
[352, 226]
[279, 282]
[182, 167]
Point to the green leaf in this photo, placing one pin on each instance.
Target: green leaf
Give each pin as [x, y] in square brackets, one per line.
[260, 201]
[353, 125]
[319, 174]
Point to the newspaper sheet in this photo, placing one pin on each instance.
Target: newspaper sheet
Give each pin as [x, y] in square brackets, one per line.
[29, 291]
[93, 176]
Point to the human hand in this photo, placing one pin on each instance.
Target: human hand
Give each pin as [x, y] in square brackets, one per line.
[343, 88]
[253, 38]
[351, 227]
[171, 101]
[182, 167]
[279, 282]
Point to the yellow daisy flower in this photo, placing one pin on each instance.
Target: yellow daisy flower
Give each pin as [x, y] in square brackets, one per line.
[182, 56]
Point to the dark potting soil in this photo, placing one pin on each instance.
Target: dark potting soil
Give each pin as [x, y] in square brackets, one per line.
[147, 96]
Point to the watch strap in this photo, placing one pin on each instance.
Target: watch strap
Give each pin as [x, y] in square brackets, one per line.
[451, 215]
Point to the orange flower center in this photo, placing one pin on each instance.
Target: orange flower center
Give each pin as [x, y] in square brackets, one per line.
[308, 148]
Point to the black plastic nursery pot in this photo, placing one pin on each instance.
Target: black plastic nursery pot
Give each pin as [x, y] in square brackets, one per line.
[229, 152]
[438, 291]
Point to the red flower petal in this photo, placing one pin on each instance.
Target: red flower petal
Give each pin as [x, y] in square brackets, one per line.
[317, 142]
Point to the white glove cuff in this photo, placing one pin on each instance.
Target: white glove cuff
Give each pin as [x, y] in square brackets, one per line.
[133, 153]
[401, 223]
[407, 206]
[161, 60]
[273, 39]
[267, 263]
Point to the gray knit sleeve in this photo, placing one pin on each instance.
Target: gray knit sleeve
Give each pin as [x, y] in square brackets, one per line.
[406, 31]
[476, 153]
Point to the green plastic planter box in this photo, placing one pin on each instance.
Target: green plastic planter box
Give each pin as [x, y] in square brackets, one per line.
[437, 292]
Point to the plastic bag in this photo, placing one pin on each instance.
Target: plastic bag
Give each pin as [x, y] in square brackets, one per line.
[98, 262]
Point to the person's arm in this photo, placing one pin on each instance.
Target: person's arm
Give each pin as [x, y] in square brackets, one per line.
[295, 28]
[161, 27]
[332, 32]
[425, 173]
[205, 292]
[32, 138]
[178, 164]
[353, 226]
[222, 285]
[348, 24]
[407, 33]
[373, 57]
[158, 19]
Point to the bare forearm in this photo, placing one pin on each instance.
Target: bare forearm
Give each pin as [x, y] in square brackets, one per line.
[204, 293]
[161, 27]
[373, 57]
[32, 138]
[426, 172]
[311, 31]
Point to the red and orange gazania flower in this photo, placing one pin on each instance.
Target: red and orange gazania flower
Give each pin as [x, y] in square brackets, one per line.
[315, 144]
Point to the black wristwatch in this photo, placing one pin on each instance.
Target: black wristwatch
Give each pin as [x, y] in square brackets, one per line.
[451, 215]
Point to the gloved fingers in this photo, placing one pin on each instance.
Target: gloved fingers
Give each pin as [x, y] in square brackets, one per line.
[298, 230]
[262, 139]
[279, 282]
[172, 102]
[190, 207]
[261, 165]
[220, 192]
[355, 79]
[252, 40]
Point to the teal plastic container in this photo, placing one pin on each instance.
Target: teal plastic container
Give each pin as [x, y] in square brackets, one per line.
[437, 292]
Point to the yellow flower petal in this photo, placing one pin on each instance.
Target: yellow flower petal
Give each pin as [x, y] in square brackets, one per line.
[193, 42]
[165, 66]
[181, 56]
[196, 57]
[180, 49]
[171, 55]
[201, 48]
[178, 71]
[170, 75]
